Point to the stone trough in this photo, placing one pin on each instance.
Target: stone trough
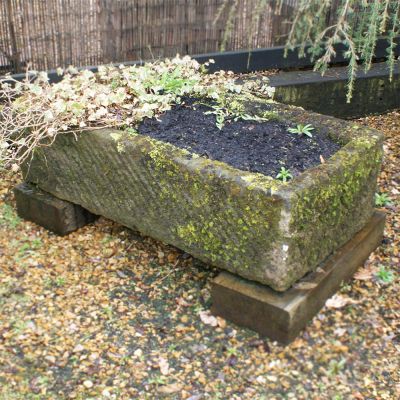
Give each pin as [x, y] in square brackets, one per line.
[257, 228]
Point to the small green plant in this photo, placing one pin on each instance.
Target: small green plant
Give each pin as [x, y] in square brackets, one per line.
[382, 200]
[171, 82]
[107, 239]
[131, 131]
[227, 108]
[19, 326]
[57, 282]
[172, 347]
[157, 380]
[336, 366]
[384, 275]
[26, 249]
[8, 216]
[302, 130]
[284, 175]
[220, 115]
[232, 351]
[108, 311]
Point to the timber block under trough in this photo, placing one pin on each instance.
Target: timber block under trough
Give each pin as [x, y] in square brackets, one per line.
[281, 315]
[48, 211]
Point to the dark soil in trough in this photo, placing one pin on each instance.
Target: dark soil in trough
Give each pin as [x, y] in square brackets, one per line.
[247, 145]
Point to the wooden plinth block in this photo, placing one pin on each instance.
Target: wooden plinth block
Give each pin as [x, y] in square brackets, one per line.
[58, 216]
[281, 315]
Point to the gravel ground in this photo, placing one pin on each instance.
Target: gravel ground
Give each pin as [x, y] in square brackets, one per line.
[106, 313]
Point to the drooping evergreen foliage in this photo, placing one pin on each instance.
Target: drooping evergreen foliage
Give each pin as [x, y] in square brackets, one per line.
[317, 26]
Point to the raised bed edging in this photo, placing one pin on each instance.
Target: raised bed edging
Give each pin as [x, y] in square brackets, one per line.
[252, 60]
[374, 93]
[248, 224]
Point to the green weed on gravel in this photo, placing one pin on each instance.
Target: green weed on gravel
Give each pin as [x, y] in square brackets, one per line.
[8, 217]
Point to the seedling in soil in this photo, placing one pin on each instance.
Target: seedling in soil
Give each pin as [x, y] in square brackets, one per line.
[382, 200]
[226, 108]
[284, 175]
[384, 275]
[220, 115]
[302, 130]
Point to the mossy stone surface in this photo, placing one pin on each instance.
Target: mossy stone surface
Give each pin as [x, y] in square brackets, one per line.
[246, 223]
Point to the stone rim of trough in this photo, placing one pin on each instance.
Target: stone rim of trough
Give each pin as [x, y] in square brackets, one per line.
[344, 132]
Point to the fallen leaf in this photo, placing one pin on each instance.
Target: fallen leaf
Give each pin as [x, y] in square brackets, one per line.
[185, 319]
[51, 359]
[339, 301]
[160, 254]
[172, 257]
[208, 319]
[364, 274]
[106, 393]
[196, 397]
[305, 285]
[261, 379]
[78, 348]
[182, 302]
[34, 385]
[221, 322]
[163, 365]
[121, 274]
[138, 353]
[339, 332]
[169, 389]
[88, 384]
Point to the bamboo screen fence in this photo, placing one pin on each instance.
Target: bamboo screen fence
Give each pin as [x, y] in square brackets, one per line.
[49, 33]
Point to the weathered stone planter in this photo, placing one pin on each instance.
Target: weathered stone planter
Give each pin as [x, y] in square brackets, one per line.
[248, 224]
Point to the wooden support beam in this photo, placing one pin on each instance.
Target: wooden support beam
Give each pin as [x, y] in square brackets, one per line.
[282, 315]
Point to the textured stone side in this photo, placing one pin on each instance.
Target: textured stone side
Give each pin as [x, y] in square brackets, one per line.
[332, 204]
[246, 223]
[220, 215]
